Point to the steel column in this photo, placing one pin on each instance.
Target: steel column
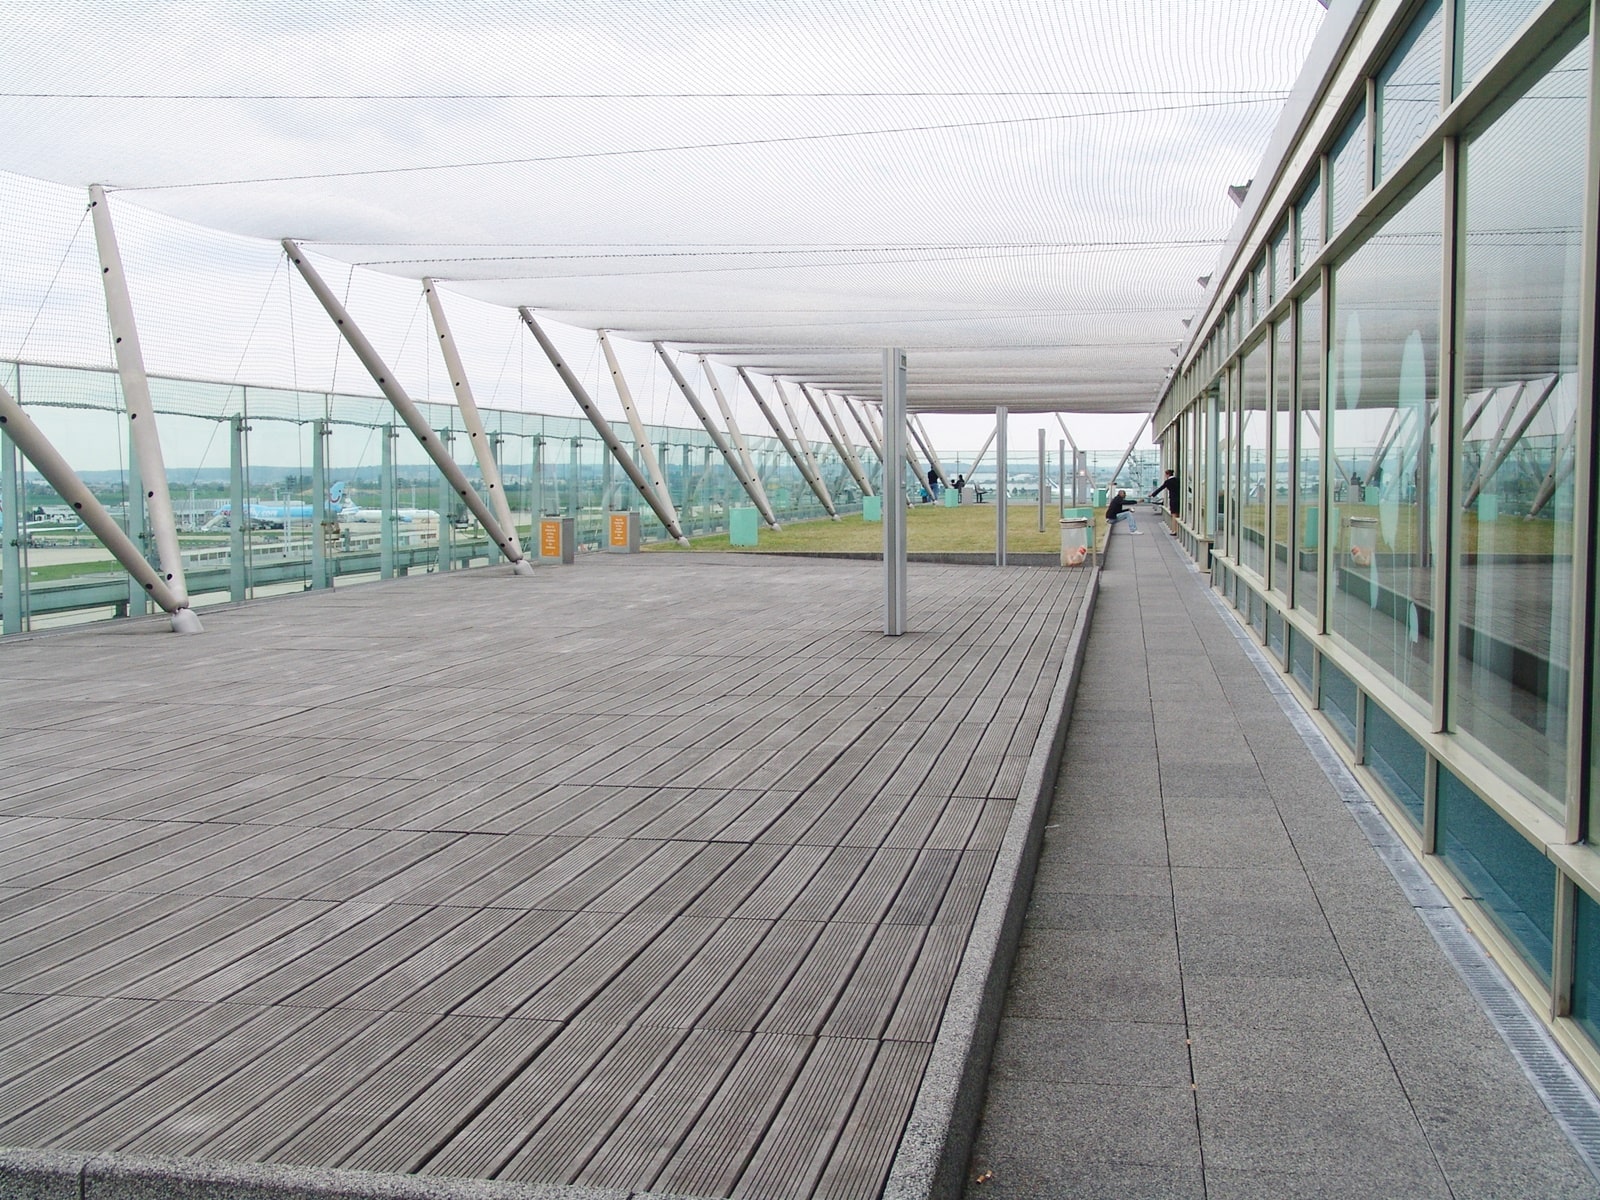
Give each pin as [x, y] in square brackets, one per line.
[894, 508]
[13, 505]
[1067, 433]
[1043, 484]
[403, 405]
[36, 448]
[141, 416]
[1000, 416]
[473, 420]
[238, 552]
[321, 429]
[445, 542]
[386, 503]
[668, 519]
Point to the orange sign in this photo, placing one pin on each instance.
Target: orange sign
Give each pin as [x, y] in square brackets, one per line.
[549, 539]
[619, 529]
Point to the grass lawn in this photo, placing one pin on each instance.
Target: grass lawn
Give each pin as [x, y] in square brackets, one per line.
[930, 528]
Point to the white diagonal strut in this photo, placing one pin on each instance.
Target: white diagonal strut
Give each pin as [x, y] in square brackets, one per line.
[669, 521]
[401, 402]
[141, 415]
[473, 420]
[36, 448]
[803, 441]
[866, 427]
[846, 452]
[734, 431]
[641, 438]
[794, 453]
[736, 464]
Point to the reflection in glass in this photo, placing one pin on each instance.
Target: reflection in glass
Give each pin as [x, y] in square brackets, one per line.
[1254, 476]
[1282, 263]
[1383, 441]
[1347, 166]
[1282, 451]
[1486, 26]
[1308, 225]
[1408, 88]
[1523, 184]
[1308, 465]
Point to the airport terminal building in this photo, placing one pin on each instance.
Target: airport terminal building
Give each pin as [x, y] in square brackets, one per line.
[1383, 426]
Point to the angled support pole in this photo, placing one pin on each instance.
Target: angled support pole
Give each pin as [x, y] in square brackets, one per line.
[921, 433]
[867, 429]
[36, 448]
[1126, 455]
[805, 445]
[141, 420]
[905, 443]
[852, 460]
[1503, 445]
[793, 451]
[405, 407]
[488, 468]
[640, 437]
[734, 431]
[603, 427]
[894, 512]
[841, 447]
[1561, 465]
[736, 464]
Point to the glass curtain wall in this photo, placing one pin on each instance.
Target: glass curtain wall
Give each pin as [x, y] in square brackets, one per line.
[1384, 380]
[1255, 472]
[1308, 459]
[1282, 487]
[1521, 273]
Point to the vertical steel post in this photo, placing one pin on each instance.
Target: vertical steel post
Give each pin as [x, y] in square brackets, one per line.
[894, 508]
[145, 437]
[488, 467]
[134, 512]
[574, 472]
[1000, 416]
[1067, 433]
[386, 503]
[238, 561]
[1044, 484]
[13, 513]
[320, 431]
[444, 542]
[1061, 478]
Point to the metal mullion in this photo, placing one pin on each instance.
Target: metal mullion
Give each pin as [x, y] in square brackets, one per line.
[1451, 332]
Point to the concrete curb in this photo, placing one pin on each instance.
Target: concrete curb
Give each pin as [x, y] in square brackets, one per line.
[932, 1159]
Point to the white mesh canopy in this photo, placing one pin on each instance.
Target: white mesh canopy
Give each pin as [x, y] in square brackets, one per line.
[1020, 193]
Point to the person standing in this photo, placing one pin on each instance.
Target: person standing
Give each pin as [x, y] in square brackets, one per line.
[1169, 485]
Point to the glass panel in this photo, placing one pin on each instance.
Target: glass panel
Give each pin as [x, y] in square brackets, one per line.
[1509, 876]
[1308, 465]
[1397, 761]
[1302, 653]
[1485, 26]
[1275, 628]
[1347, 163]
[1258, 613]
[1408, 88]
[1384, 441]
[1283, 271]
[1308, 225]
[1260, 290]
[1522, 278]
[1282, 452]
[1586, 968]
[1338, 700]
[1255, 471]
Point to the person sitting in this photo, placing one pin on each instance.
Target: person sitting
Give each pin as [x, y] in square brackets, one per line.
[1121, 510]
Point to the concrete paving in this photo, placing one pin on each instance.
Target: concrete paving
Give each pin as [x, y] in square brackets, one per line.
[1221, 990]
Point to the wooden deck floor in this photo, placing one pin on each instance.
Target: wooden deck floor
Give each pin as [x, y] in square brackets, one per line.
[649, 873]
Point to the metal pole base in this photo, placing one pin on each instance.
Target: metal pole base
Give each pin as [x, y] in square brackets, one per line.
[685, 543]
[522, 567]
[186, 620]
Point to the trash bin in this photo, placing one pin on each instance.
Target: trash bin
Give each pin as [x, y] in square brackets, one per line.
[1074, 541]
[1363, 540]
